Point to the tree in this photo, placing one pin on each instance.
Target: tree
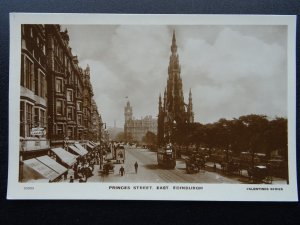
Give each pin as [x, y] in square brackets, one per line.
[120, 137]
[149, 138]
[256, 128]
[276, 137]
[128, 137]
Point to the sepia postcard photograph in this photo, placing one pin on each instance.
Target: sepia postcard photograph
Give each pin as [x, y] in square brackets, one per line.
[152, 107]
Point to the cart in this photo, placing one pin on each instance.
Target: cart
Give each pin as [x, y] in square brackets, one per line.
[259, 174]
[108, 168]
[191, 167]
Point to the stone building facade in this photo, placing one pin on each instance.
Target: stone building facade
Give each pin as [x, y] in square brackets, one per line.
[33, 90]
[70, 90]
[96, 124]
[56, 93]
[59, 120]
[136, 129]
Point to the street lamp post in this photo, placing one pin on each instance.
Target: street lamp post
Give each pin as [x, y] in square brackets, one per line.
[100, 146]
[174, 137]
[66, 143]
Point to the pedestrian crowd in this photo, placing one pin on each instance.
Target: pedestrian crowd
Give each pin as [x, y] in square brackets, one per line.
[84, 166]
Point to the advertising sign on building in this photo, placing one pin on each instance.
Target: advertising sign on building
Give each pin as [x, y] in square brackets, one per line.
[38, 131]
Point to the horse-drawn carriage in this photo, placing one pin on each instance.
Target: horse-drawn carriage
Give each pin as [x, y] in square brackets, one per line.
[259, 174]
[195, 163]
[231, 167]
[108, 168]
[191, 167]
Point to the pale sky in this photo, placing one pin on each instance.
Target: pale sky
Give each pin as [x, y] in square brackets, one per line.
[232, 70]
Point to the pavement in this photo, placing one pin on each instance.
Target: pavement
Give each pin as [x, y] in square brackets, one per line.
[243, 177]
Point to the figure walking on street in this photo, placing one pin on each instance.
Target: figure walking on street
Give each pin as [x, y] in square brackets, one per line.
[122, 171]
[136, 166]
[71, 179]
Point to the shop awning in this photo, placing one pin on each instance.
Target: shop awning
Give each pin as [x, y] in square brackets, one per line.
[79, 146]
[35, 170]
[90, 145]
[52, 164]
[93, 143]
[65, 156]
[78, 150]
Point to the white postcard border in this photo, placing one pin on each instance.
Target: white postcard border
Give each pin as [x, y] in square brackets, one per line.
[211, 192]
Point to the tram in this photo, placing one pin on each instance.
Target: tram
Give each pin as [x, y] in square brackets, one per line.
[120, 154]
[166, 157]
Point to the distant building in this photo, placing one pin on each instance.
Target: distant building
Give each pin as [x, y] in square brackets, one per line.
[173, 111]
[96, 122]
[136, 129]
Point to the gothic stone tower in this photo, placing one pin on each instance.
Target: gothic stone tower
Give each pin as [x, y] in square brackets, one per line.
[173, 110]
[160, 123]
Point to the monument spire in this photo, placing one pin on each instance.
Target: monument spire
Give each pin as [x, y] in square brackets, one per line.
[174, 46]
[190, 108]
[174, 109]
[159, 103]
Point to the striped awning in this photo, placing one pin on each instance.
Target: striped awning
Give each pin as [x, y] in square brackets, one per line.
[51, 163]
[36, 170]
[93, 143]
[90, 145]
[65, 156]
[79, 151]
[82, 149]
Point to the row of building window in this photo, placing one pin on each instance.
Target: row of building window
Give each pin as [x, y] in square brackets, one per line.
[30, 116]
[70, 110]
[39, 41]
[65, 61]
[60, 107]
[35, 82]
[70, 100]
[61, 128]
[59, 88]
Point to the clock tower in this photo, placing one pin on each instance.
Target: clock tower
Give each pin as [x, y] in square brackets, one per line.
[128, 112]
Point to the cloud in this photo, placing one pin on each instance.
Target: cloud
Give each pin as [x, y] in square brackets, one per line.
[235, 75]
[232, 70]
